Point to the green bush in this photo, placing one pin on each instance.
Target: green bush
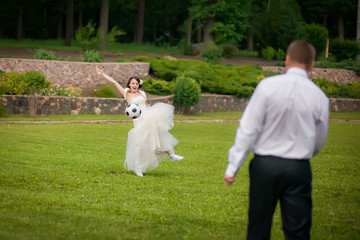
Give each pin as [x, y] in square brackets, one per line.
[13, 83]
[123, 60]
[229, 50]
[92, 56]
[350, 90]
[44, 54]
[115, 33]
[35, 80]
[189, 50]
[211, 53]
[219, 79]
[331, 89]
[158, 87]
[186, 92]
[317, 35]
[88, 37]
[344, 49]
[268, 53]
[345, 64]
[280, 55]
[107, 91]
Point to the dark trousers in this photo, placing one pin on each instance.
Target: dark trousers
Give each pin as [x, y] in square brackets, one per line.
[287, 180]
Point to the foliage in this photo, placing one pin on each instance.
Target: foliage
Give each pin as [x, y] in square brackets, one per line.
[189, 50]
[268, 53]
[280, 55]
[213, 78]
[345, 64]
[123, 60]
[230, 16]
[44, 54]
[59, 91]
[278, 24]
[246, 53]
[229, 50]
[35, 80]
[19, 84]
[344, 49]
[115, 33]
[317, 35]
[186, 91]
[107, 91]
[92, 56]
[334, 90]
[158, 87]
[89, 37]
[211, 53]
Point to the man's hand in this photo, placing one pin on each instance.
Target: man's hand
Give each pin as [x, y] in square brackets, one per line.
[228, 180]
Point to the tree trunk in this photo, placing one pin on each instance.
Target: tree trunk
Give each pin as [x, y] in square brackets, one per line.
[341, 26]
[104, 21]
[59, 33]
[139, 21]
[154, 32]
[19, 32]
[189, 30]
[250, 43]
[80, 17]
[208, 36]
[32, 103]
[69, 22]
[198, 30]
[358, 23]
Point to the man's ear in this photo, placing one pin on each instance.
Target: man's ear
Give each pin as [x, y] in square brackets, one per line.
[287, 60]
[311, 66]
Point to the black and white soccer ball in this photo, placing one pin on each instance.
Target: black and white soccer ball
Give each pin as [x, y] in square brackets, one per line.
[133, 111]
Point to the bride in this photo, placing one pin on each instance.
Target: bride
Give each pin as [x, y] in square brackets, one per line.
[150, 139]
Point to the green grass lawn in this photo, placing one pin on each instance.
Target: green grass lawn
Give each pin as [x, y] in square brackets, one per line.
[67, 181]
[59, 44]
[197, 116]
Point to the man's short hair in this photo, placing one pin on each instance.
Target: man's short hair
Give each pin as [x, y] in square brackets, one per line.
[302, 52]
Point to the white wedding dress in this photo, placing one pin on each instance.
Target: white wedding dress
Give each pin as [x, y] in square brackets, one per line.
[150, 137]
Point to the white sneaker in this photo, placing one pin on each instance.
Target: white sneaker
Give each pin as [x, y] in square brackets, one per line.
[139, 173]
[176, 158]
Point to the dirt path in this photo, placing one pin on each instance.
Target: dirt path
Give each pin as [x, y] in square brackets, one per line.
[130, 121]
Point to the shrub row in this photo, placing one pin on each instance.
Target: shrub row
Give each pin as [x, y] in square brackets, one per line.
[212, 78]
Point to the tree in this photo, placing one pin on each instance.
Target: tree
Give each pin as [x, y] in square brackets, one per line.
[69, 22]
[358, 23]
[225, 21]
[139, 21]
[104, 22]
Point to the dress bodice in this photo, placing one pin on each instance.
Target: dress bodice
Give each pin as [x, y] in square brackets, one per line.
[139, 100]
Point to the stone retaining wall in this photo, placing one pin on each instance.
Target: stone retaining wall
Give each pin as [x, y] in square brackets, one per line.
[46, 105]
[76, 74]
[340, 76]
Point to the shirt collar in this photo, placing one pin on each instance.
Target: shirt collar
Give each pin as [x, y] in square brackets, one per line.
[297, 70]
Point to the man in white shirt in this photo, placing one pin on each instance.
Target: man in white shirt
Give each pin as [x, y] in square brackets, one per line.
[285, 124]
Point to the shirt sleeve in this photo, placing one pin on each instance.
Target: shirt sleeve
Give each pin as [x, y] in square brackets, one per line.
[322, 126]
[250, 126]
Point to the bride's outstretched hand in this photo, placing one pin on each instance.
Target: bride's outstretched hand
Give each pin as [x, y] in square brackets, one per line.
[99, 71]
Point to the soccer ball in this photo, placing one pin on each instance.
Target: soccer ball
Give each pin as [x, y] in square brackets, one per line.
[133, 111]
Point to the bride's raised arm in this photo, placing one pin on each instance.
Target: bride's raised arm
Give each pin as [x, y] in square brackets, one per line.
[110, 79]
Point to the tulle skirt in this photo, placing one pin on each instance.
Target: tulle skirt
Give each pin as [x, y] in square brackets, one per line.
[149, 140]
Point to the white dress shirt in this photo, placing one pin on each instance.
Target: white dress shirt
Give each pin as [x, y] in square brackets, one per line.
[287, 116]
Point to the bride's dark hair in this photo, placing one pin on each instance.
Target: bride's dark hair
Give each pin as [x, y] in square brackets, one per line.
[136, 78]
